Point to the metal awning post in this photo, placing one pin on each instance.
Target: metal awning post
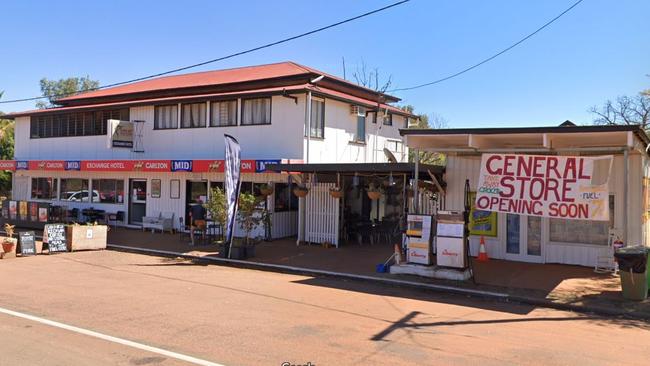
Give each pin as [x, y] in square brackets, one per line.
[415, 185]
[626, 182]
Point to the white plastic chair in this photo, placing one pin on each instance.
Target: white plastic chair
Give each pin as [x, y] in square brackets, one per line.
[605, 262]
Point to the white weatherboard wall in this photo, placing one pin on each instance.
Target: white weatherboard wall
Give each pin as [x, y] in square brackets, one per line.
[283, 138]
[337, 144]
[461, 167]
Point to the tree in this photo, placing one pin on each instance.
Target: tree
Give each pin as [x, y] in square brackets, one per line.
[6, 152]
[217, 205]
[56, 89]
[625, 110]
[370, 78]
[435, 121]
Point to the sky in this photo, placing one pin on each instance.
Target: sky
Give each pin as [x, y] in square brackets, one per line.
[596, 52]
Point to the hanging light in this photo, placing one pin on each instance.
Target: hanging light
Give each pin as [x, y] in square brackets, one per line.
[355, 180]
[391, 180]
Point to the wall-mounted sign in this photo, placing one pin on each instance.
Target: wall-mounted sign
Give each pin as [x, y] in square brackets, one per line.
[22, 165]
[482, 222]
[212, 166]
[73, 165]
[47, 165]
[181, 165]
[248, 166]
[120, 133]
[8, 165]
[568, 187]
[127, 165]
[260, 165]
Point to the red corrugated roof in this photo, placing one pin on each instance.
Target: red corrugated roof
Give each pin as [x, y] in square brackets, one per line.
[212, 78]
[363, 101]
[275, 90]
[292, 88]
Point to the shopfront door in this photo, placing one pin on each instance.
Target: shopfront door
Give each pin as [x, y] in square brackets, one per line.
[523, 238]
[137, 200]
[194, 190]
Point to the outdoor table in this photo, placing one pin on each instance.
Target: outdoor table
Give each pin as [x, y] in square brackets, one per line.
[93, 214]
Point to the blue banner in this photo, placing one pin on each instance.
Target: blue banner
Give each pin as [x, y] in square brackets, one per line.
[181, 165]
[22, 165]
[232, 184]
[73, 165]
[260, 165]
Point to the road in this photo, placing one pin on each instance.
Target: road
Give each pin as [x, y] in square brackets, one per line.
[233, 316]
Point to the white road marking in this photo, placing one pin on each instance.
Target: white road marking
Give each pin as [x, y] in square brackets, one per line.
[109, 338]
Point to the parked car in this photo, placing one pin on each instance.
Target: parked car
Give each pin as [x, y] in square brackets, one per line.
[81, 196]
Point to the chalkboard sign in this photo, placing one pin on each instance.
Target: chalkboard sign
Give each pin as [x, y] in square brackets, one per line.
[55, 234]
[27, 243]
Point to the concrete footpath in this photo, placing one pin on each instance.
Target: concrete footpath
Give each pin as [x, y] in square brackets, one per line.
[578, 297]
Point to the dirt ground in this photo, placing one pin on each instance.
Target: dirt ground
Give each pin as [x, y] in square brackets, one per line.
[243, 317]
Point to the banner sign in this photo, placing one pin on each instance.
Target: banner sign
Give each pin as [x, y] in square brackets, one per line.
[73, 165]
[127, 165]
[232, 183]
[567, 187]
[196, 166]
[260, 165]
[181, 165]
[210, 166]
[46, 165]
[120, 133]
[8, 165]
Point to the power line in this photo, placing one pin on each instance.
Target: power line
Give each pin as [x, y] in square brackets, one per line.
[493, 56]
[225, 57]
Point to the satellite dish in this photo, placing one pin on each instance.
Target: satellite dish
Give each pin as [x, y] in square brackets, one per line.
[390, 156]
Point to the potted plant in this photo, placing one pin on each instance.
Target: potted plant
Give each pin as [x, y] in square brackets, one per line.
[300, 191]
[374, 192]
[250, 218]
[336, 192]
[238, 249]
[266, 189]
[217, 206]
[9, 243]
[86, 237]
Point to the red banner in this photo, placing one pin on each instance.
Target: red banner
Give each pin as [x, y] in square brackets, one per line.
[47, 165]
[126, 165]
[202, 166]
[8, 165]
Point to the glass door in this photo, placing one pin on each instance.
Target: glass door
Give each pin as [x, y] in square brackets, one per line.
[523, 238]
[137, 200]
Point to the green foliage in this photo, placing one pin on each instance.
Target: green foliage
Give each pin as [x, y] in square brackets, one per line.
[424, 122]
[6, 152]
[55, 89]
[249, 216]
[217, 206]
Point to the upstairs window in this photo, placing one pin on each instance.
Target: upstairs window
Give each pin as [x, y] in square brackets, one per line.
[75, 123]
[317, 118]
[166, 117]
[360, 134]
[256, 111]
[388, 119]
[223, 113]
[194, 115]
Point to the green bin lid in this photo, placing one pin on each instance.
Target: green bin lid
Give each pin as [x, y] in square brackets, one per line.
[637, 249]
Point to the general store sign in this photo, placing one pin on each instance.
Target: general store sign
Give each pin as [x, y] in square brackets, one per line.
[568, 187]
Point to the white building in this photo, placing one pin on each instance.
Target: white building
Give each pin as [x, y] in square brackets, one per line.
[541, 239]
[63, 153]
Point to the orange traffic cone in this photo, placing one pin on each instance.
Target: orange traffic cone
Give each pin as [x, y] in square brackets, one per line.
[482, 253]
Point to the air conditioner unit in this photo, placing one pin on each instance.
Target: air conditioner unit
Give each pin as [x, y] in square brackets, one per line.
[357, 110]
